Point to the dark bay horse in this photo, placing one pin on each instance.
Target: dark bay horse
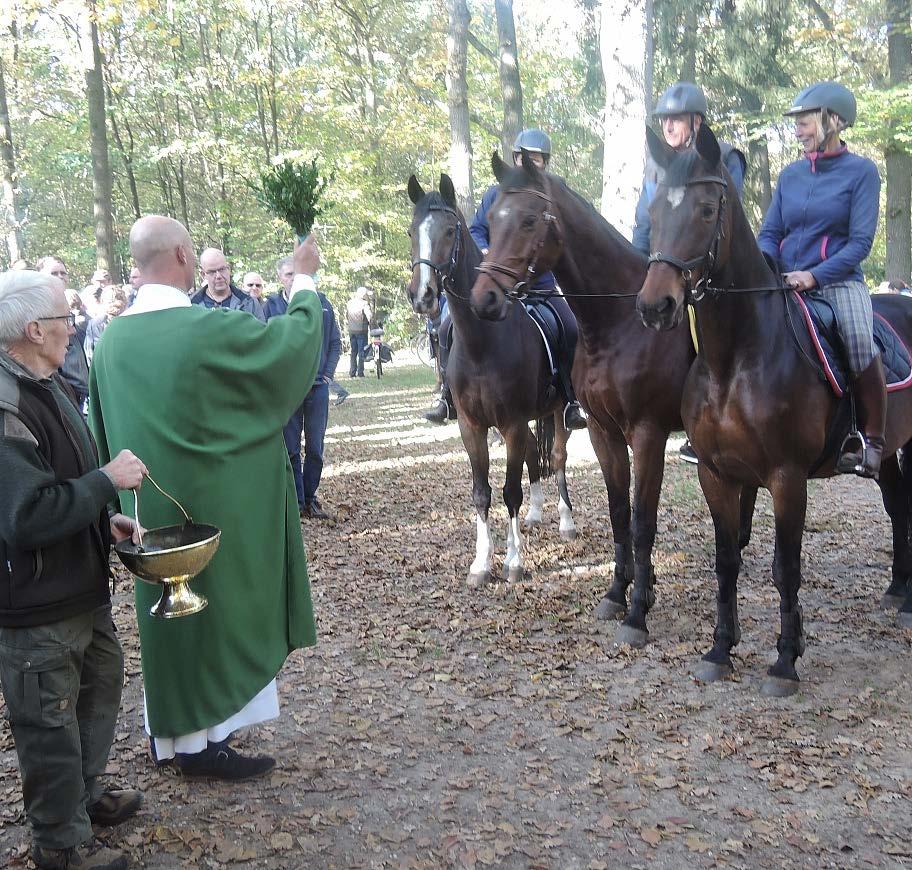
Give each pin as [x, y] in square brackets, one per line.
[499, 375]
[756, 410]
[627, 378]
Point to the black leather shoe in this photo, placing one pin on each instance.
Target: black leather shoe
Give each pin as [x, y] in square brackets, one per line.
[313, 510]
[573, 416]
[220, 761]
[687, 453]
[439, 412]
[116, 805]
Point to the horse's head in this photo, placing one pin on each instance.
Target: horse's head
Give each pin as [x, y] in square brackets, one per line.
[435, 231]
[524, 239]
[689, 236]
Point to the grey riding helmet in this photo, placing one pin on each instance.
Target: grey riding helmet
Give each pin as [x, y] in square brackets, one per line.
[533, 140]
[682, 98]
[829, 96]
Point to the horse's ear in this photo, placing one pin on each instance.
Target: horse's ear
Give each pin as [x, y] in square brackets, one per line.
[447, 190]
[708, 146]
[415, 190]
[498, 166]
[661, 152]
[528, 165]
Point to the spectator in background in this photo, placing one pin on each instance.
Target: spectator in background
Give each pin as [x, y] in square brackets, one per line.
[359, 315]
[253, 286]
[135, 284]
[91, 295]
[218, 291]
[311, 417]
[75, 368]
[114, 302]
[75, 302]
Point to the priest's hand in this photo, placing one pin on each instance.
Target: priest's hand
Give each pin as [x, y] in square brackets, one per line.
[126, 470]
[307, 257]
[123, 527]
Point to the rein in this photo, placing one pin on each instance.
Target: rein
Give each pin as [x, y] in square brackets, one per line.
[695, 292]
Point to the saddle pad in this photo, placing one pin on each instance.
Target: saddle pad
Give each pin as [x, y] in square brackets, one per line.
[821, 321]
[549, 325]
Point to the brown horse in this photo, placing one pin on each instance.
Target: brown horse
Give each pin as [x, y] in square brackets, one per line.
[499, 375]
[755, 407]
[627, 378]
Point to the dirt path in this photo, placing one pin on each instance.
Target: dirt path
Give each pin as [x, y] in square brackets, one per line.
[437, 727]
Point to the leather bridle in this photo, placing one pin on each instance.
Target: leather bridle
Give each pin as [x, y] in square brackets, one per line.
[545, 222]
[446, 270]
[706, 262]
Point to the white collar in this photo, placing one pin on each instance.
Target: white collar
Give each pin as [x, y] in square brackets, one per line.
[157, 297]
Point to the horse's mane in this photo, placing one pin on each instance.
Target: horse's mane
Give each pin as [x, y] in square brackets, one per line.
[518, 172]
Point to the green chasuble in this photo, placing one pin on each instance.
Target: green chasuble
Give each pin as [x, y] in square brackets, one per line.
[201, 397]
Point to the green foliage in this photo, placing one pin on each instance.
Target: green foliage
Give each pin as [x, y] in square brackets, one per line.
[293, 191]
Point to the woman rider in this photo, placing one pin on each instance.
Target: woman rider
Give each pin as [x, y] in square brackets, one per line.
[537, 144]
[819, 227]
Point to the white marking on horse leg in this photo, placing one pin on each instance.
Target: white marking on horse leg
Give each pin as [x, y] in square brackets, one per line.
[483, 547]
[424, 251]
[513, 560]
[536, 503]
[676, 196]
[566, 516]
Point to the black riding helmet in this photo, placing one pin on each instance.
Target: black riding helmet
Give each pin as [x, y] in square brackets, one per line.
[826, 96]
[682, 98]
[534, 140]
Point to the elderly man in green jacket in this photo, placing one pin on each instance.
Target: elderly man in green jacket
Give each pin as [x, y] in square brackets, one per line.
[181, 384]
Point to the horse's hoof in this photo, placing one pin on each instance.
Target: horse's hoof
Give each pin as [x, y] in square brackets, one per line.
[531, 523]
[568, 534]
[904, 619]
[478, 579]
[712, 672]
[778, 687]
[627, 635]
[608, 609]
[892, 602]
[514, 575]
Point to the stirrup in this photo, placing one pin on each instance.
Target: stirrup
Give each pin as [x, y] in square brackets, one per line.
[580, 413]
[852, 455]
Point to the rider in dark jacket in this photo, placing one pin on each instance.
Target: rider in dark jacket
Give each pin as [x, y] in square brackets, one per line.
[819, 227]
[537, 144]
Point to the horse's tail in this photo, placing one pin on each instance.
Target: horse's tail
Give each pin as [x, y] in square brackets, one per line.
[544, 435]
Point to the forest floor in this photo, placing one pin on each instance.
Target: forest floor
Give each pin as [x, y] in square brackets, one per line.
[434, 726]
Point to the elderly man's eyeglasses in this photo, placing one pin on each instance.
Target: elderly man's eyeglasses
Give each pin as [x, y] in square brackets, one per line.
[211, 273]
[253, 284]
[69, 318]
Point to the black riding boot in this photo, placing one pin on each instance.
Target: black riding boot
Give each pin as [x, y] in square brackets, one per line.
[863, 458]
[443, 408]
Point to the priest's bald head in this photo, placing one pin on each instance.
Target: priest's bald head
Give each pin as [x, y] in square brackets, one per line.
[163, 251]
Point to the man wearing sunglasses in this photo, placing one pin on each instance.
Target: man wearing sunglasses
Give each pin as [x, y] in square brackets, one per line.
[253, 286]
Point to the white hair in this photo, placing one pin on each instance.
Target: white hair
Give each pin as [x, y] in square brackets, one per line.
[24, 296]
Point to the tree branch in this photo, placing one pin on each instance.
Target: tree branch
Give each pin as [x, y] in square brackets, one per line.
[481, 48]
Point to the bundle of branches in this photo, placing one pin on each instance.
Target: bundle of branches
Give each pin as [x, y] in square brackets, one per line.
[293, 191]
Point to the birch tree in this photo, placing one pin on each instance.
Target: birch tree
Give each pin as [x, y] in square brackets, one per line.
[458, 102]
[625, 47]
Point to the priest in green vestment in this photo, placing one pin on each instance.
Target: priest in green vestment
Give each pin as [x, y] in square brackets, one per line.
[201, 396]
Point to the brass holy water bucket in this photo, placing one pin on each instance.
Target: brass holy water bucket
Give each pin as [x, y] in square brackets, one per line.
[171, 556]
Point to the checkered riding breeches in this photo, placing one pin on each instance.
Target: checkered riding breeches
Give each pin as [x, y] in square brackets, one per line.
[852, 302]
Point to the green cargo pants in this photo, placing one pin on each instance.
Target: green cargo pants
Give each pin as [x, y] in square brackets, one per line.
[62, 685]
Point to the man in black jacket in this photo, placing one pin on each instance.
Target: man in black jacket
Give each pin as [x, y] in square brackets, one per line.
[61, 664]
